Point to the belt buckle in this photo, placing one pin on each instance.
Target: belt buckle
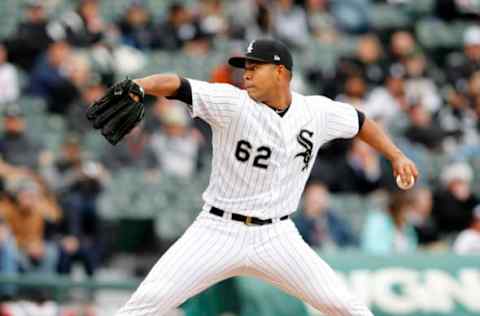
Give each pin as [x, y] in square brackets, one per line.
[248, 221]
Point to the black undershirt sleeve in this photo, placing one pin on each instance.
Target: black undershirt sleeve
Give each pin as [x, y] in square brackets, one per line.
[183, 93]
[361, 119]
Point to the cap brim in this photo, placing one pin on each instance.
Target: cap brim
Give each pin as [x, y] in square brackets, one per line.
[239, 61]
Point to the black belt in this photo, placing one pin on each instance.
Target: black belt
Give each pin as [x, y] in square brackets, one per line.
[247, 220]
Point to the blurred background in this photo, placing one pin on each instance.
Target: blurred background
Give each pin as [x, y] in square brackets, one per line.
[81, 221]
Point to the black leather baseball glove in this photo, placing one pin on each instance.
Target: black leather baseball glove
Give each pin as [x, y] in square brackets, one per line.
[118, 111]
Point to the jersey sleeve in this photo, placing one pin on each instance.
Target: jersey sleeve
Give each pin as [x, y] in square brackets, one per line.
[216, 103]
[339, 120]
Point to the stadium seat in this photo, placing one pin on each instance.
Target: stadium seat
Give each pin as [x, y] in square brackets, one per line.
[387, 16]
[421, 8]
[434, 34]
[32, 106]
[10, 15]
[474, 162]
[350, 207]
[93, 144]
[321, 55]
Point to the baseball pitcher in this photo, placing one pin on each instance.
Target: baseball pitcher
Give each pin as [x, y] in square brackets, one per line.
[265, 140]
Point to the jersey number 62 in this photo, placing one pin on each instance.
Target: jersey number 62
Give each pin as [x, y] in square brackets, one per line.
[262, 154]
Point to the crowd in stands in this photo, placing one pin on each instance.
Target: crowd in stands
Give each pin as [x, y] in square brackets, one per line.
[427, 98]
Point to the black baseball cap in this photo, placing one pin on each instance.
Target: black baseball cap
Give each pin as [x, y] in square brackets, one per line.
[266, 51]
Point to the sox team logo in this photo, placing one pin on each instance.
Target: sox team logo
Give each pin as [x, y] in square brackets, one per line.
[303, 139]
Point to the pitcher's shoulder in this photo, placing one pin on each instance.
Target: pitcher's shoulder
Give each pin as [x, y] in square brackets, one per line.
[316, 100]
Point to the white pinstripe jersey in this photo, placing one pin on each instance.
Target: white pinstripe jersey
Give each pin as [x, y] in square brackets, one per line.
[261, 161]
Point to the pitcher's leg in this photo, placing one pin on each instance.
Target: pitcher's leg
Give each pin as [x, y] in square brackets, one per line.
[205, 254]
[286, 261]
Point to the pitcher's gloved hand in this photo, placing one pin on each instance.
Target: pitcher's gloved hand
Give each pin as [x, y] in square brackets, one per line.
[118, 111]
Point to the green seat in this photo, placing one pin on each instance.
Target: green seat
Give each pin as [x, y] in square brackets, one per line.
[420, 8]
[10, 15]
[348, 45]
[387, 16]
[94, 144]
[431, 33]
[434, 34]
[32, 106]
[320, 55]
[161, 61]
[350, 207]
[475, 164]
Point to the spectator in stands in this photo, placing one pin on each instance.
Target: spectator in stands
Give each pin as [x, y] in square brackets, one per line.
[134, 152]
[136, 26]
[359, 171]
[402, 44]
[26, 219]
[46, 201]
[262, 26]
[176, 147]
[370, 59]
[16, 147]
[318, 224]
[368, 62]
[290, 23]
[454, 201]
[51, 79]
[31, 37]
[388, 232]
[419, 84]
[79, 71]
[79, 183]
[424, 130]
[198, 43]
[458, 119]
[321, 23]
[212, 17]
[355, 90]
[420, 216]
[84, 26]
[172, 33]
[8, 79]
[384, 104]
[461, 66]
[468, 241]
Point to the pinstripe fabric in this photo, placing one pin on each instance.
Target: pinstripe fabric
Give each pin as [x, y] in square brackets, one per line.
[282, 258]
[275, 191]
[233, 116]
[215, 248]
[208, 252]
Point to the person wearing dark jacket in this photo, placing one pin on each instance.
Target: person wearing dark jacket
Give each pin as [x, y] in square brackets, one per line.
[50, 81]
[79, 183]
[454, 202]
[16, 148]
[31, 38]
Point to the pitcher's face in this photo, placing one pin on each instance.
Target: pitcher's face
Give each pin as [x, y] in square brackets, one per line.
[260, 80]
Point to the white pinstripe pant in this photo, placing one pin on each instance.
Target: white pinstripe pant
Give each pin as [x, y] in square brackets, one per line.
[215, 248]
